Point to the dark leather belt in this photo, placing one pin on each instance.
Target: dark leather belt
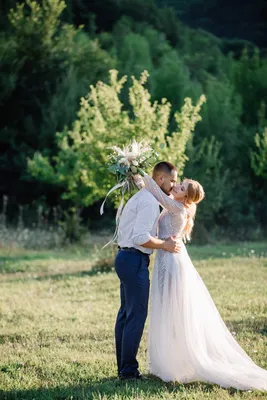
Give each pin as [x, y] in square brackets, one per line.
[131, 250]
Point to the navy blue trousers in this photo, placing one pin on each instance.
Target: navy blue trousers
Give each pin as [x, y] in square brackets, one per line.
[132, 270]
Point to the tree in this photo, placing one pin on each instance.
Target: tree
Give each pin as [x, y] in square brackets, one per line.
[208, 167]
[249, 79]
[80, 165]
[46, 66]
[259, 157]
[221, 117]
[172, 78]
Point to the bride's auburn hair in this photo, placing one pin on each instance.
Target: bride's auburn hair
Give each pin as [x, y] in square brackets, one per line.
[195, 194]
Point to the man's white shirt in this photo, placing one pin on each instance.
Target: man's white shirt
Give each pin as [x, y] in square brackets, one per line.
[139, 221]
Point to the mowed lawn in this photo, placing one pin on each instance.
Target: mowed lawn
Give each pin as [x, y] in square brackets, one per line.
[57, 318]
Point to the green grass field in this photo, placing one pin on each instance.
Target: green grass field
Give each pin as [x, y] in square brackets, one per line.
[58, 311]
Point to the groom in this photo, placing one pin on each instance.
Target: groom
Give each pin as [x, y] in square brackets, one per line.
[136, 239]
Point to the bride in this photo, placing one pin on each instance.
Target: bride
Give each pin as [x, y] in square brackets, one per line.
[188, 340]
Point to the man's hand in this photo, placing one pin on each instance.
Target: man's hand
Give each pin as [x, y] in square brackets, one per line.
[172, 245]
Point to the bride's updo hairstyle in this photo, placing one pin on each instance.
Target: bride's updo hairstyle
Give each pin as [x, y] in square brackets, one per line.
[195, 194]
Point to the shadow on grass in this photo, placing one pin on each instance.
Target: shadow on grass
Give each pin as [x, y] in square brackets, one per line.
[113, 388]
[104, 266]
[257, 325]
[96, 270]
[18, 263]
[241, 327]
[7, 262]
[226, 251]
[12, 264]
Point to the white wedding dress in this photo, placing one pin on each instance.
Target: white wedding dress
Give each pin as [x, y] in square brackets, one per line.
[188, 340]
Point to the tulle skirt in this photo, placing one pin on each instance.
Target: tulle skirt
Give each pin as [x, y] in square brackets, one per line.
[188, 340]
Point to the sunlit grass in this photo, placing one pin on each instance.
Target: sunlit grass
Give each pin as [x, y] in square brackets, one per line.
[57, 317]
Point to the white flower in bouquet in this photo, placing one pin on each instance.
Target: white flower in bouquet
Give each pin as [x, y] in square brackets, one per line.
[123, 161]
[130, 160]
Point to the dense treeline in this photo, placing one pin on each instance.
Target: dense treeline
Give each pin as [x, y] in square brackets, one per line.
[225, 18]
[48, 61]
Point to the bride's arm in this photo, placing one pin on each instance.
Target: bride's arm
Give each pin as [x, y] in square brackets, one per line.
[167, 202]
[139, 181]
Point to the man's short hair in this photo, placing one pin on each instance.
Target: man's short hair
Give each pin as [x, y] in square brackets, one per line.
[165, 167]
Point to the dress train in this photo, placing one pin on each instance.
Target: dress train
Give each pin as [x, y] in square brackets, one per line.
[188, 340]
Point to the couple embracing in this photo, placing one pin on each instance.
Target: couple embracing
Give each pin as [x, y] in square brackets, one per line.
[188, 340]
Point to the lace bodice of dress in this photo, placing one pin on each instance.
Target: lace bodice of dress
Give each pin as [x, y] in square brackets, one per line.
[171, 224]
[173, 218]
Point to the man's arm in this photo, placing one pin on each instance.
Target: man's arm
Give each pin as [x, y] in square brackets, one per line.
[143, 225]
[170, 244]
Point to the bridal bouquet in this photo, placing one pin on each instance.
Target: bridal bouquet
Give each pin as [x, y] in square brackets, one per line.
[125, 163]
[130, 160]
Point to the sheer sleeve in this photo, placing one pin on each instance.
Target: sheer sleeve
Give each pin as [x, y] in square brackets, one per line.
[139, 181]
[171, 205]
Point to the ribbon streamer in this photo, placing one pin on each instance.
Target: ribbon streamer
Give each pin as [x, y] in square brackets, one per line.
[124, 185]
[113, 238]
[111, 190]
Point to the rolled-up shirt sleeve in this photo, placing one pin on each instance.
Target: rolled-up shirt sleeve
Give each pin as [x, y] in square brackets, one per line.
[144, 222]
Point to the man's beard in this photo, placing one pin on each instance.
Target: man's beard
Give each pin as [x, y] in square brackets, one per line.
[165, 191]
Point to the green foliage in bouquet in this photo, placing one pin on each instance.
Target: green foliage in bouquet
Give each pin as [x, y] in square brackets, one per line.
[80, 165]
